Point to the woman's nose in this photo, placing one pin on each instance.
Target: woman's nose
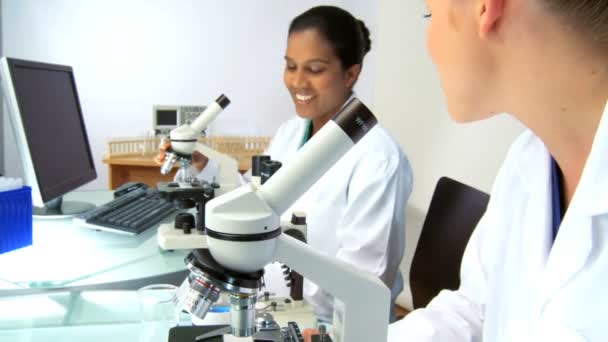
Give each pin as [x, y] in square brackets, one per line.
[299, 79]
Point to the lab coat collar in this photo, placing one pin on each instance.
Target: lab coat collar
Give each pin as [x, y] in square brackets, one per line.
[536, 231]
[590, 196]
[553, 264]
[550, 264]
[593, 187]
[574, 242]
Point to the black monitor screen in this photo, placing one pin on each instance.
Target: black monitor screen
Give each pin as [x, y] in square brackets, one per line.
[166, 117]
[54, 128]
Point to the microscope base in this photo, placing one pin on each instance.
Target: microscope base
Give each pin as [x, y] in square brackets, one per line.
[170, 238]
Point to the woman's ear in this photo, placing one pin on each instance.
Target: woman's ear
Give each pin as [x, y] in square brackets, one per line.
[490, 13]
[352, 74]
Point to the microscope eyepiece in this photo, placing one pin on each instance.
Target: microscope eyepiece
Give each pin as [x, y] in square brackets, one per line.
[223, 101]
[355, 119]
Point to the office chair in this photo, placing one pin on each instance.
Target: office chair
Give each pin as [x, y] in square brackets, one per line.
[455, 210]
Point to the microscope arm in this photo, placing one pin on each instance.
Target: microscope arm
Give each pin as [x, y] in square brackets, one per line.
[209, 114]
[184, 137]
[365, 298]
[317, 156]
[302, 172]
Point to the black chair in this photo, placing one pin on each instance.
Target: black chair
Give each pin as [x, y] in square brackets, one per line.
[455, 210]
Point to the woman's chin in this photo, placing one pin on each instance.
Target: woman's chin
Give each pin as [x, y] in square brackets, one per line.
[305, 114]
[462, 115]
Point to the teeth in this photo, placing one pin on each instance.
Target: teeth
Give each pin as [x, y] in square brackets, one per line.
[304, 97]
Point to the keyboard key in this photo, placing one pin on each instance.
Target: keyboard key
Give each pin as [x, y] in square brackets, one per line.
[150, 216]
[131, 213]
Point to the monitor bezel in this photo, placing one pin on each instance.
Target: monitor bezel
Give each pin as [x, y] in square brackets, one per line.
[40, 195]
[178, 117]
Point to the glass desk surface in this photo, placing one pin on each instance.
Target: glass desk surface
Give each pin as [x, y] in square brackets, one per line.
[64, 254]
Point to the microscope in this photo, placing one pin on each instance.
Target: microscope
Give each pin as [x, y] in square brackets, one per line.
[188, 192]
[184, 139]
[244, 234]
[183, 235]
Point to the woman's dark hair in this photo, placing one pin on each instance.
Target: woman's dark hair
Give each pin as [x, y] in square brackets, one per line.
[589, 17]
[348, 35]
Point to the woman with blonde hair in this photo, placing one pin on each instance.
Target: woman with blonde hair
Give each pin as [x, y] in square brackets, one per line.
[536, 267]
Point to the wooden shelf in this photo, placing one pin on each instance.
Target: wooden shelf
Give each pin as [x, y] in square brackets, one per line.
[132, 159]
[135, 168]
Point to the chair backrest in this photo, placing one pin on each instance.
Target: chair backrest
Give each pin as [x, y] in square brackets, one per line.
[455, 210]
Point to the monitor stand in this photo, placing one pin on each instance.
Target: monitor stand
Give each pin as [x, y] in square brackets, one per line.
[58, 209]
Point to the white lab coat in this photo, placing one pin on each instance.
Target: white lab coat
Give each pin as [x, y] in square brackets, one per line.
[516, 285]
[355, 212]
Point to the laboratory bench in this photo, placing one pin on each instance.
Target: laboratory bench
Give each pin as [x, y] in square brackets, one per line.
[75, 284]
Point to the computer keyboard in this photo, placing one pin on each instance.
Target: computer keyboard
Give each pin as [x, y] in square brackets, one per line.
[131, 213]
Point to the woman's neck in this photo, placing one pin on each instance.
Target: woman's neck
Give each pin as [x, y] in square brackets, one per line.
[319, 122]
[566, 117]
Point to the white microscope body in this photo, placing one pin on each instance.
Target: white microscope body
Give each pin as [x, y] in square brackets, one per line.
[184, 141]
[244, 235]
[184, 137]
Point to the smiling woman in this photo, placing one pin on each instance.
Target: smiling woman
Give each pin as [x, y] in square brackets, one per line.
[323, 61]
[356, 211]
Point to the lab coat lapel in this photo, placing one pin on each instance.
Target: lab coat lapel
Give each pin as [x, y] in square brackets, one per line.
[595, 176]
[286, 142]
[569, 254]
[573, 244]
[549, 265]
[536, 242]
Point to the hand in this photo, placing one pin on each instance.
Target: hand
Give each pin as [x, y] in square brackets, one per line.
[307, 334]
[162, 152]
[199, 160]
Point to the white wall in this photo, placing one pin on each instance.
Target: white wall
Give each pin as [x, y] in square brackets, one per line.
[129, 55]
[408, 98]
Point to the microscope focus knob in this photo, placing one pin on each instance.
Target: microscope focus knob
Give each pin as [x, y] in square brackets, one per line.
[264, 319]
[298, 218]
[256, 164]
[269, 167]
[184, 221]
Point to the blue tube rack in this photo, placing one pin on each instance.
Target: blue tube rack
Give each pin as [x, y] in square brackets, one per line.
[15, 219]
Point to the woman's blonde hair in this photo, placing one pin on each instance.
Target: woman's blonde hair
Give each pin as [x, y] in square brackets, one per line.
[589, 17]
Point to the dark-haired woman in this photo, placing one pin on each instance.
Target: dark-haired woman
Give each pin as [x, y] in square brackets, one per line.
[356, 211]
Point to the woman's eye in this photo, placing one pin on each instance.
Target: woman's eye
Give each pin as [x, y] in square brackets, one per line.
[426, 16]
[315, 70]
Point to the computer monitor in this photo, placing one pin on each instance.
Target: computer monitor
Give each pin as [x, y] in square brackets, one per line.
[51, 138]
[165, 118]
